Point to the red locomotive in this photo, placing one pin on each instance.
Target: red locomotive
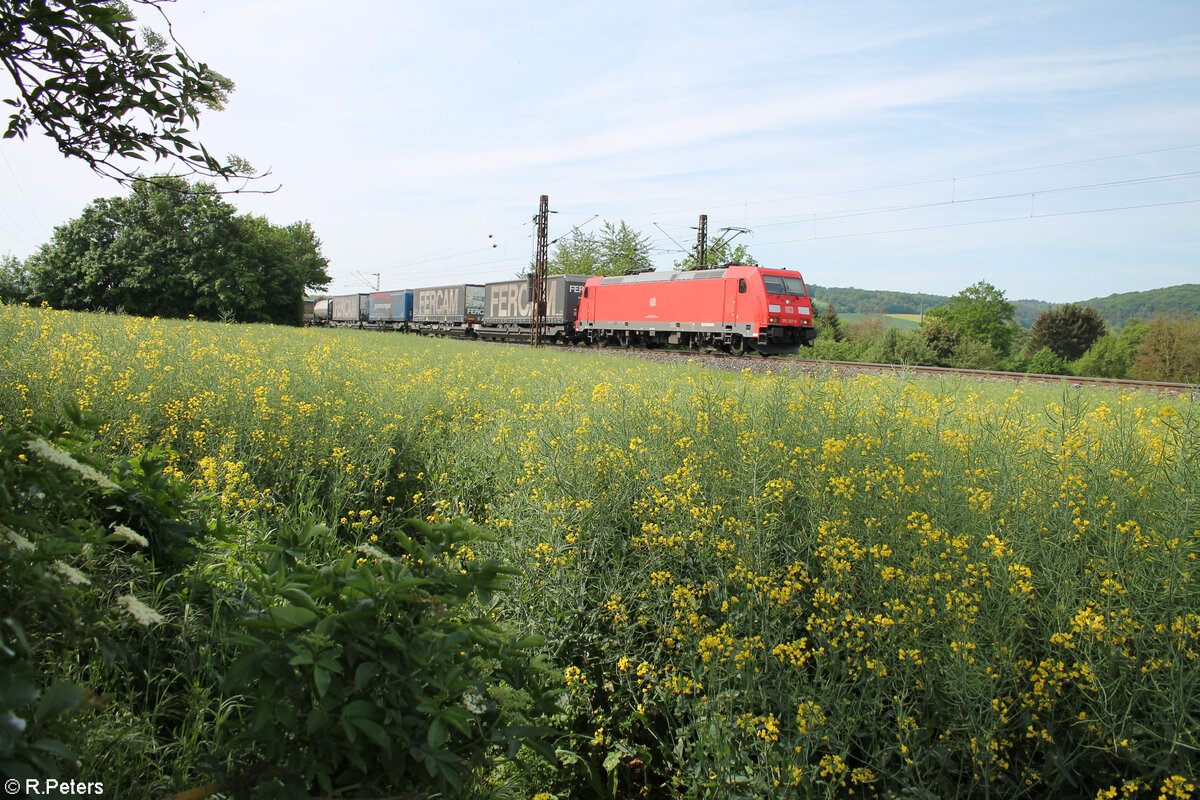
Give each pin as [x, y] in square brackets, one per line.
[735, 308]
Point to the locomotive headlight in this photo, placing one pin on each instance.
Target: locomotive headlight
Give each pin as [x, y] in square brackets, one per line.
[772, 308]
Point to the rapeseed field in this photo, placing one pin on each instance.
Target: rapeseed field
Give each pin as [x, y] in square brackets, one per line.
[751, 585]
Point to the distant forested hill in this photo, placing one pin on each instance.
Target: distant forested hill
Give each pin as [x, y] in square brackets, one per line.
[869, 301]
[1116, 309]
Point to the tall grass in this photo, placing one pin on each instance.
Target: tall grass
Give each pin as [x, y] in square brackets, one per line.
[756, 586]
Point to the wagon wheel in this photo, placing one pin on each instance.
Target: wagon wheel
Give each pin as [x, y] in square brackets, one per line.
[623, 338]
[737, 345]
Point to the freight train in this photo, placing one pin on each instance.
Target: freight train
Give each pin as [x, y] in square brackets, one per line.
[734, 308]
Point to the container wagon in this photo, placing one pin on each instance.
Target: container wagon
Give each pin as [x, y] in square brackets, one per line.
[322, 310]
[508, 308]
[450, 310]
[392, 309]
[349, 310]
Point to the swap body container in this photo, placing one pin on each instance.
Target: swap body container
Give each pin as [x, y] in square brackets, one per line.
[350, 309]
[508, 307]
[447, 309]
[391, 309]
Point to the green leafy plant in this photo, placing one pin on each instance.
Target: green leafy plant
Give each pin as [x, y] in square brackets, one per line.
[80, 546]
[382, 668]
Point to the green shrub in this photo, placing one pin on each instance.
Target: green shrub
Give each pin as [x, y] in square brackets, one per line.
[83, 552]
[278, 664]
[1109, 357]
[380, 668]
[1045, 362]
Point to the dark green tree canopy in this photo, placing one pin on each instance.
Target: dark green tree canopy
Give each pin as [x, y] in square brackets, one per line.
[829, 324]
[171, 249]
[1067, 331]
[979, 312]
[14, 280]
[103, 92]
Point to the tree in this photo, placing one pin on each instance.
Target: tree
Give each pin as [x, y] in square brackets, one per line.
[171, 249]
[1046, 362]
[1169, 351]
[1108, 357]
[1067, 331]
[622, 250]
[282, 263]
[829, 324]
[616, 250]
[1131, 335]
[942, 338]
[14, 280]
[895, 346]
[718, 254]
[975, 354]
[979, 312]
[577, 253]
[104, 93]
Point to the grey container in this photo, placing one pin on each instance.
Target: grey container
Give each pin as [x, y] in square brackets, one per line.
[462, 304]
[511, 302]
[350, 308]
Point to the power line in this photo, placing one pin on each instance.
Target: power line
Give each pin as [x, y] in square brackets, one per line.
[438, 255]
[925, 182]
[988, 198]
[29, 205]
[980, 222]
[451, 253]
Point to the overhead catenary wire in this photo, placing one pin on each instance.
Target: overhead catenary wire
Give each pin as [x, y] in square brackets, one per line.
[987, 198]
[908, 184]
[1015, 218]
[33, 212]
[471, 269]
[415, 269]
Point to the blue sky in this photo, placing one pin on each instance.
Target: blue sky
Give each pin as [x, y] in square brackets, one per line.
[1050, 148]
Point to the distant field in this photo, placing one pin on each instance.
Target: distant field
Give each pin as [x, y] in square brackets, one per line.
[905, 321]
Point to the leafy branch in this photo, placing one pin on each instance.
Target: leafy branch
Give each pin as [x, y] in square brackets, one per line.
[84, 77]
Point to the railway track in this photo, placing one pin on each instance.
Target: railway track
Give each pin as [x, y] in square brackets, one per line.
[783, 364]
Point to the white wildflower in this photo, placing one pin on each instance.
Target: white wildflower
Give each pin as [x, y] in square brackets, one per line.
[130, 535]
[373, 552]
[474, 703]
[20, 541]
[143, 613]
[51, 453]
[70, 573]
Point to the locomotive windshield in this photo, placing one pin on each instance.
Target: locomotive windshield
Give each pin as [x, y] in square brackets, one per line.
[784, 284]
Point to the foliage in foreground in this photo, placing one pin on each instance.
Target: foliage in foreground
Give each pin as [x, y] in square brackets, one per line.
[163, 653]
[756, 586]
